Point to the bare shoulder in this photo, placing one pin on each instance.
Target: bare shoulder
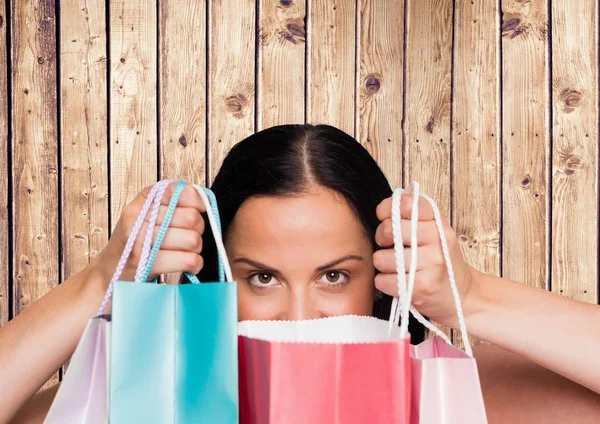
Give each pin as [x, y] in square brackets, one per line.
[36, 408]
[517, 390]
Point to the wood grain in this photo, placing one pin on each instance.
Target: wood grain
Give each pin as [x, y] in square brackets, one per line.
[84, 138]
[575, 149]
[35, 191]
[231, 83]
[133, 103]
[380, 84]
[525, 152]
[475, 201]
[182, 89]
[331, 63]
[5, 171]
[475, 132]
[280, 68]
[428, 100]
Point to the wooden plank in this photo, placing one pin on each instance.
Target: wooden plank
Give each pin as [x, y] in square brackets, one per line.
[84, 139]
[475, 188]
[231, 77]
[575, 149]
[5, 172]
[428, 99]
[133, 103]
[380, 84]
[475, 132]
[526, 130]
[182, 86]
[182, 89]
[35, 153]
[331, 63]
[280, 67]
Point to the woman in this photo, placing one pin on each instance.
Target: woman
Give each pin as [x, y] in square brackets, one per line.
[306, 218]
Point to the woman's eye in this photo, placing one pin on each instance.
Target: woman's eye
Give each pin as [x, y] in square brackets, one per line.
[262, 280]
[333, 278]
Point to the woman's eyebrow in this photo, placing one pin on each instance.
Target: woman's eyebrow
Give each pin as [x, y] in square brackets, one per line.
[339, 261]
[256, 265]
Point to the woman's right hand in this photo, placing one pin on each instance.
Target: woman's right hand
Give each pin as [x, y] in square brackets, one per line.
[180, 249]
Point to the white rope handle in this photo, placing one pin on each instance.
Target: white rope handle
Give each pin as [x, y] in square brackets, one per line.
[455, 294]
[216, 233]
[405, 289]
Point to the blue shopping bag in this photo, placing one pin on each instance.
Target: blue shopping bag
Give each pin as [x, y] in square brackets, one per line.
[173, 348]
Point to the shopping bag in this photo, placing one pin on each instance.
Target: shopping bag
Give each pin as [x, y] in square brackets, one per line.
[189, 358]
[346, 369]
[83, 393]
[174, 347]
[446, 387]
[82, 396]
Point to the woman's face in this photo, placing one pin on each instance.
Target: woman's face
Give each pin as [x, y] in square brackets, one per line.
[300, 257]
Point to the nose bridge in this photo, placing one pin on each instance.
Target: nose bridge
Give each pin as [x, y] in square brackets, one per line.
[300, 304]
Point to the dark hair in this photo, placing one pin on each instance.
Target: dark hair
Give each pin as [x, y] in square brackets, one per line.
[289, 159]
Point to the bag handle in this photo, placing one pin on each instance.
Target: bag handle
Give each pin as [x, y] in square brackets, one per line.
[214, 221]
[212, 210]
[137, 226]
[406, 290]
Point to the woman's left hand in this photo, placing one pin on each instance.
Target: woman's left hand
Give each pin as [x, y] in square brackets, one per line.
[432, 294]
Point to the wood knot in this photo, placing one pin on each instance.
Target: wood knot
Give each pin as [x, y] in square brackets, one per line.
[285, 3]
[26, 91]
[571, 98]
[430, 125]
[40, 60]
[526, 181]
[183, 141]
[296, 28]
[513, 26]
[569, 161]
[372, 84]
[1, 21]
[236, 104]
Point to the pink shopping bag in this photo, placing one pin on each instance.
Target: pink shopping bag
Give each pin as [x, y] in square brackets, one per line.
[83, 395]
[346, 369]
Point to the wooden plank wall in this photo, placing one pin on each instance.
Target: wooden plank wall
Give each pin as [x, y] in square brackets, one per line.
[493, 106]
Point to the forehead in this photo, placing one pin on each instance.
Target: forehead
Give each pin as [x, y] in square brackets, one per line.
[320, 221]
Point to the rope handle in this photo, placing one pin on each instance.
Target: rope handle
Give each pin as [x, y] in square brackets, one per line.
[405, 289]
[137, 226]
[214, 220]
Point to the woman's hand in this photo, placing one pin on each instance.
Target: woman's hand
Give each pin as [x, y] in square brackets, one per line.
[180, 249]
[432, 294]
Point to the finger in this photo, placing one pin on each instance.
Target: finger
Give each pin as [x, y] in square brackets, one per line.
[186, 218]
[169, 261]
[180, 239]
[426, 233]
[387, 283]
[189, 198]
[384, 209]
[427, 256]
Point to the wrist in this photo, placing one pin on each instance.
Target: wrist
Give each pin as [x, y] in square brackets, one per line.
[476, 299]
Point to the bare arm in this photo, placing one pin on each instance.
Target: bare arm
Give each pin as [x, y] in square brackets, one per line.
[517, 391]
[36, 408]
[558, 333]
[35, 344]
[41, 339]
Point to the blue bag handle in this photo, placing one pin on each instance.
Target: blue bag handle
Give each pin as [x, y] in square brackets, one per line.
[212, 211]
